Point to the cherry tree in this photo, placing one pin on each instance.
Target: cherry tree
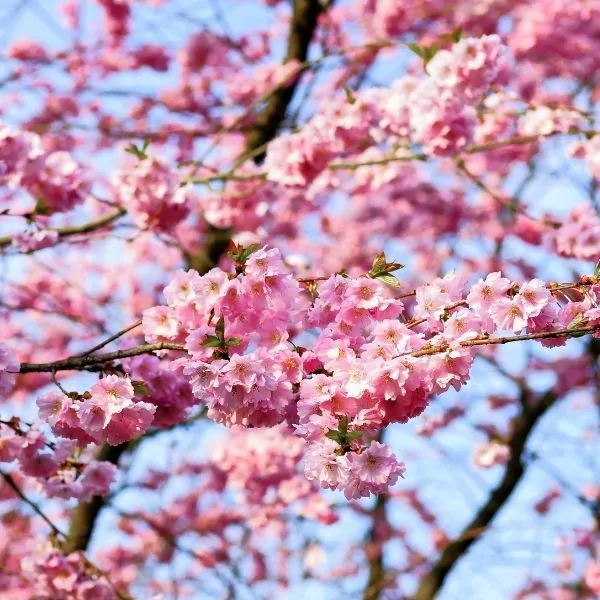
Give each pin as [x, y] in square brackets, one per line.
[299, 299]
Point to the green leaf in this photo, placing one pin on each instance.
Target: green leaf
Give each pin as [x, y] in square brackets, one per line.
[141, 388]
[211, 341]
[233, 341]
[388, 279]
[353, 435]
[424, 52]
[418, 50]
[597, 270]
[333, 434]
[430, 52]
[379, 263]
[349, 95]
[41, 208]
[241, 254]
[140, 154]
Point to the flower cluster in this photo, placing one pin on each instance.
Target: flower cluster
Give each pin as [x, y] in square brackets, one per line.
[262, 466]
[18, 149]
[443, 105]
[29, 241]
[108, 412]
[150, 190]
[54, 575]
[55, 465]
[54, 179]
[578, 236]
[437, 112]
[364, 369]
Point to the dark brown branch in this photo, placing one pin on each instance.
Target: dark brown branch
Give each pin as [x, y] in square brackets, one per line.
[433, 581]
[81, 363]
[84, 515]
[377, 576]
[303, 26]
[268, 121]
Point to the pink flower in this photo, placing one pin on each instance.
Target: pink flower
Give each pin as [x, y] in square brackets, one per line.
[182, 289]
[592, 576]
[509, 314]
[159, 322]
[114, 392]
[326, 467]
[488, 291]
[10, 447]
[130, 423]
[109, 396]
[491, 453]
[244, 370]
[51, 406]
[376, 465]
[365, 293]
[462, 325]
[265, 263]
[533, 297]
[96, 479]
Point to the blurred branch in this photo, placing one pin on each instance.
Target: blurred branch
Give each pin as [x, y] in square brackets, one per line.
[377, 575]
[431, 584]
[36, 509]
[77, 229]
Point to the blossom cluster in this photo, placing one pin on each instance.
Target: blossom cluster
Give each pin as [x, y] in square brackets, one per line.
[54, 575]
[365, 368]
[109, 412]
[54, 179]
[262, 467]
[150, 190]
[55, 465]
[437, 112]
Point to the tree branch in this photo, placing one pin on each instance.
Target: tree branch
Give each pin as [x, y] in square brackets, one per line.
[433, 581]
[77, 229]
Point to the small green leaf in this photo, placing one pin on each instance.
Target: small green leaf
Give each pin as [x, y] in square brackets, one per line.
[424, 52]
[241, 254]
[379, 263]
[418, 50]
[211, 341]
[349, 95]
[388, 279]
[140, 154]
[597, 270]
[141, 388]
[353, 435]
[333, 434]
[233, 341]
[41, 208]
